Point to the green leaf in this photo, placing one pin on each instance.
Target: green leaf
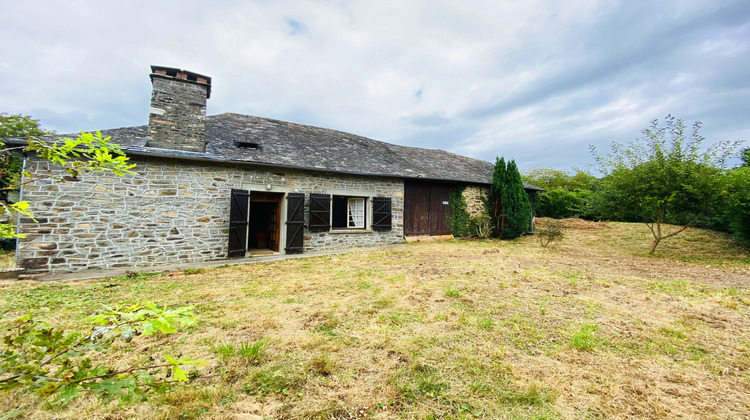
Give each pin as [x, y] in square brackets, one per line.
[179, 374]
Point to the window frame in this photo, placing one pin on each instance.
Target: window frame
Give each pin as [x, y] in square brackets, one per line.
[366, 210]
[350, 218]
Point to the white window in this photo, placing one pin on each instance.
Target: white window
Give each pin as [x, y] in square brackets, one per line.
[349, 212]
[356, 212]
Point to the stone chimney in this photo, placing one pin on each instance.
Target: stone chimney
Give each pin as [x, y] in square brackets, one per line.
[177, 119]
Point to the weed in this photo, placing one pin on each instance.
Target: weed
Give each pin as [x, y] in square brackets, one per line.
[584, 339]
[452, 292]
[249, 353]
[253, 352]
[383, 302]
[192, 271]
[225, 351]
[322, 365]
[532, 395]
[273, 380]
[544, 307]
[669, 332]
[486, 323]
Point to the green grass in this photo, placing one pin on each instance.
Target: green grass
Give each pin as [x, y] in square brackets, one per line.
[457, 329]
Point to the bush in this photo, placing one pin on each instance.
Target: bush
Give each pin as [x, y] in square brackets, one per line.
[553, 231]
[561, 204]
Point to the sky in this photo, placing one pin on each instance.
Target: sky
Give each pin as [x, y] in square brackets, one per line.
[535, 81]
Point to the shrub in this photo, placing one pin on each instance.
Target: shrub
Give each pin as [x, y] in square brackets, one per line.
[553, 231]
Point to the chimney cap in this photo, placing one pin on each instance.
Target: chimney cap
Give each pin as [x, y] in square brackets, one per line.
[180, 74]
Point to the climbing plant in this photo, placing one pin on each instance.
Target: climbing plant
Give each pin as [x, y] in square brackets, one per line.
[460, 221]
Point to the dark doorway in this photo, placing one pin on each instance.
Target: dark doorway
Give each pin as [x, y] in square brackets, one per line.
[265, 213]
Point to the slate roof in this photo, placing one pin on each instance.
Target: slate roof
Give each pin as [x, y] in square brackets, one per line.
[291, 145]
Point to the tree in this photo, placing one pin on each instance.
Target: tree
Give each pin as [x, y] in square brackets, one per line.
[738, 203]
[496, 196]
[511, 210]
[664, 176]
[17, 125]
[86, 153]
[555, 179]
[565, 194]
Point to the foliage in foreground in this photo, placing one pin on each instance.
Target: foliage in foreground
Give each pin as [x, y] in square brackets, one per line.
[86, 153]
[54, 363]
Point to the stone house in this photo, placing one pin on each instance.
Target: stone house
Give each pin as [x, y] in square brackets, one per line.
[229, 185]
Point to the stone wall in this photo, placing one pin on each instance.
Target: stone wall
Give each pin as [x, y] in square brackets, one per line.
[170, 212]
[474, 196]
[177, 117]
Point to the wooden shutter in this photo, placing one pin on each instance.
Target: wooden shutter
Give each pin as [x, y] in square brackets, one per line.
[238, 223]
[381, 213]
[320, 212]
[295, 222]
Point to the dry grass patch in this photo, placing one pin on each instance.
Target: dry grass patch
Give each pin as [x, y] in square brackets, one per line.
[591, 326]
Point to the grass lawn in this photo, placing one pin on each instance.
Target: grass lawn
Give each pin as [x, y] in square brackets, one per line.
[588, 327]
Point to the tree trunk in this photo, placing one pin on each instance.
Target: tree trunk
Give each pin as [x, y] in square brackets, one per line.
[654, 245]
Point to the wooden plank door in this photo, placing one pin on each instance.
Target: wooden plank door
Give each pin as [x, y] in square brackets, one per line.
[295, 223]
[439, 209]
[416, 208]
[238, 223]
[273, 234]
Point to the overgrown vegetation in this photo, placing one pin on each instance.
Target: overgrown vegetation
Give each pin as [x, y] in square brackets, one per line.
[454, 329]
[460, 221]
[664, 177]
[41, 358]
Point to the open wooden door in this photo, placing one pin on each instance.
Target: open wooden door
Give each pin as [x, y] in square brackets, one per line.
[295, 223]
[238, 223]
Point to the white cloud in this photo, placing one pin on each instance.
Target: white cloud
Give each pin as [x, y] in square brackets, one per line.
[538, 80]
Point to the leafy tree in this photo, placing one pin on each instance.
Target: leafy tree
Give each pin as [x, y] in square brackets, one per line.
[552, 231]
[17, 125]
[515, 204]
[560, 204]
[665, 176]
[734, 213]
[555, 179]
[511, 210]
[86, 153]
[565, 195]
[745, 156]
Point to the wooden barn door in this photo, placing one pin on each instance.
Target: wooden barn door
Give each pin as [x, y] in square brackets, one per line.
[426, 208]
[439, 209]
[416, 208]
[295, 223]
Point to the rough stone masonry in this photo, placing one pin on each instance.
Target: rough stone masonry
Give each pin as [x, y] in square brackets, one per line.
[170, 212]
